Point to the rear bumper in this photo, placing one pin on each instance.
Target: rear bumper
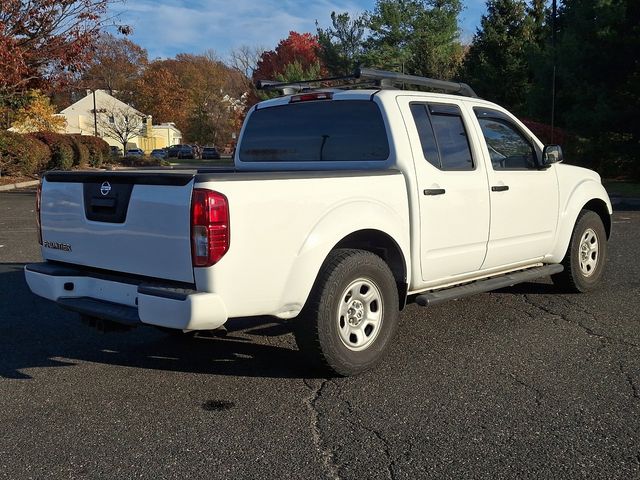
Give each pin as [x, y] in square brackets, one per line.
[125, 300]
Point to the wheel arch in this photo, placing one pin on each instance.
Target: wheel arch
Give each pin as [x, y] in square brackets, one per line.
[362, 225]
[588, 195]
[598, 206]
[383, 245]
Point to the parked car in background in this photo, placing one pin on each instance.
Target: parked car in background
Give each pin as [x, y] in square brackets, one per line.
[115, 151]
[135, 152]
[186, 151]
[159, 153]
[174, 150]
[210, 153]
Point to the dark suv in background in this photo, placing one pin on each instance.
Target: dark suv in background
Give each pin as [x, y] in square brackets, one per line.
[210, 153]
[187, 151]
[180, 151]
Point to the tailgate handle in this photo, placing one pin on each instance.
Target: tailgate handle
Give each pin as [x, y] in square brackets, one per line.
[110, 208]
[103, 202]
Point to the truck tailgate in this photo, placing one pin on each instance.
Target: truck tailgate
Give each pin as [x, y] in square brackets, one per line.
[133, 222]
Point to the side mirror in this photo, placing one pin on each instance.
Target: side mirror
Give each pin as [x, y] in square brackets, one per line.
[551, 154]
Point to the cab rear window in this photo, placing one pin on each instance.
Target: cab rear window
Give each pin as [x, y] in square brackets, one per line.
[317, 131]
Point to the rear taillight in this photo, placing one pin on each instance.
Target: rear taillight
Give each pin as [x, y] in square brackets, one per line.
[209, 227]
[38, 204]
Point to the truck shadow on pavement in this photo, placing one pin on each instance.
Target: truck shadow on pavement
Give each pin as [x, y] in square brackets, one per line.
[35, 333]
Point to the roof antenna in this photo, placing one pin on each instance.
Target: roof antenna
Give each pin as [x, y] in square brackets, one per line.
[553, 78]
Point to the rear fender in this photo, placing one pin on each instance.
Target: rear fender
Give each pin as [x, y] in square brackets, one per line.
[335, 225]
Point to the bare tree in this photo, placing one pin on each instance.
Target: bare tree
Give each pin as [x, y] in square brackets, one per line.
[245, 59]
[120, 123]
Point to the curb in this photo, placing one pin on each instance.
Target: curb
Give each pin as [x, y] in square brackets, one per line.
[13, 186]
[625, 203]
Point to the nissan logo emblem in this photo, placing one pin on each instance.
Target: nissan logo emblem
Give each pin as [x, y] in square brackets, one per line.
[105, 188]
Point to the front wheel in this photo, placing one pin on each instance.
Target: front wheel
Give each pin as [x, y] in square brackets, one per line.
[352, 313]
[585, 258]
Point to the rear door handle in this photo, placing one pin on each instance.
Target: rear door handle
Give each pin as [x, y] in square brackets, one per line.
[499, 188]
[434, 191]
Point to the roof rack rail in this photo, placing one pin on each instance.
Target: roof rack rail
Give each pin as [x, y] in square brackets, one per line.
[390, 78]
[370, 77]
[293, 87]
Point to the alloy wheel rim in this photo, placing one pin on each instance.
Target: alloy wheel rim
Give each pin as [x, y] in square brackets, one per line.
[360, 314]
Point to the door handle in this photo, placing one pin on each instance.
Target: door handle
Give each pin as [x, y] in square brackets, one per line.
[499, 188]
[434, 191]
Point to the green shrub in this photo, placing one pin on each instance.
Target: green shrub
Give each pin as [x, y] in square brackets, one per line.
[21, 154]
[95, 158]
[98, 149]
[80, 152]
[63, 156]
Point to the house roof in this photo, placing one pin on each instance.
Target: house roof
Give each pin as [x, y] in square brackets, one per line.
[102, 98]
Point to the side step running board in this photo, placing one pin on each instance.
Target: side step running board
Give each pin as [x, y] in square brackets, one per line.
[481, 286]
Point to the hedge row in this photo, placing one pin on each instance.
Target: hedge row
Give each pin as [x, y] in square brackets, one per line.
[22, 154]
[33, 153]
[98, 150]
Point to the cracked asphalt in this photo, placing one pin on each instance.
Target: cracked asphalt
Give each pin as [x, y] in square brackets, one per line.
[519, 383]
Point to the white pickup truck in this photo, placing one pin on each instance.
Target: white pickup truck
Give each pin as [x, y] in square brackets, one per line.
[343, 205]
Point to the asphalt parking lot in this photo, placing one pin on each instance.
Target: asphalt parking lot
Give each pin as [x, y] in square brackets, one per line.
[518, 383]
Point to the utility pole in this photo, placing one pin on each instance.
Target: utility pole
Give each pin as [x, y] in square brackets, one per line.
[553, 78]
[95, 114]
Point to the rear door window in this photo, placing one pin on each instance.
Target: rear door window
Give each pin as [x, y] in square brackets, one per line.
[443, 136]
[316, 131]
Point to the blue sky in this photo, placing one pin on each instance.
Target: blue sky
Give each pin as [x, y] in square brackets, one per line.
[167, 27]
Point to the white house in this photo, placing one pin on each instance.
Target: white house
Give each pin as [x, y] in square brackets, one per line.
[85, 117]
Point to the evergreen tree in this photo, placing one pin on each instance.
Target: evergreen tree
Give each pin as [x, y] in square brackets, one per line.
[598, 80]
[537, 16]
[497, 65]
[419, 37]
[342, 44]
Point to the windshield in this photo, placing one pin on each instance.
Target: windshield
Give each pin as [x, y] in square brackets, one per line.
[319, 131]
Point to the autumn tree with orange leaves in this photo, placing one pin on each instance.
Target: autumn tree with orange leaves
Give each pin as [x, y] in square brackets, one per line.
[199, 93]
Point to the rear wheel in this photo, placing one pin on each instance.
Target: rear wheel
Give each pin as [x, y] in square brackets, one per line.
[585, 258]
[352, 313]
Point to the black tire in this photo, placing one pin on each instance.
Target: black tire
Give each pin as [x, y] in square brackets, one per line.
[319, 325]
[574, 279]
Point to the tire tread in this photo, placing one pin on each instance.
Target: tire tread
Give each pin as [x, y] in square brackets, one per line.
[568, 280]
[307, 331]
